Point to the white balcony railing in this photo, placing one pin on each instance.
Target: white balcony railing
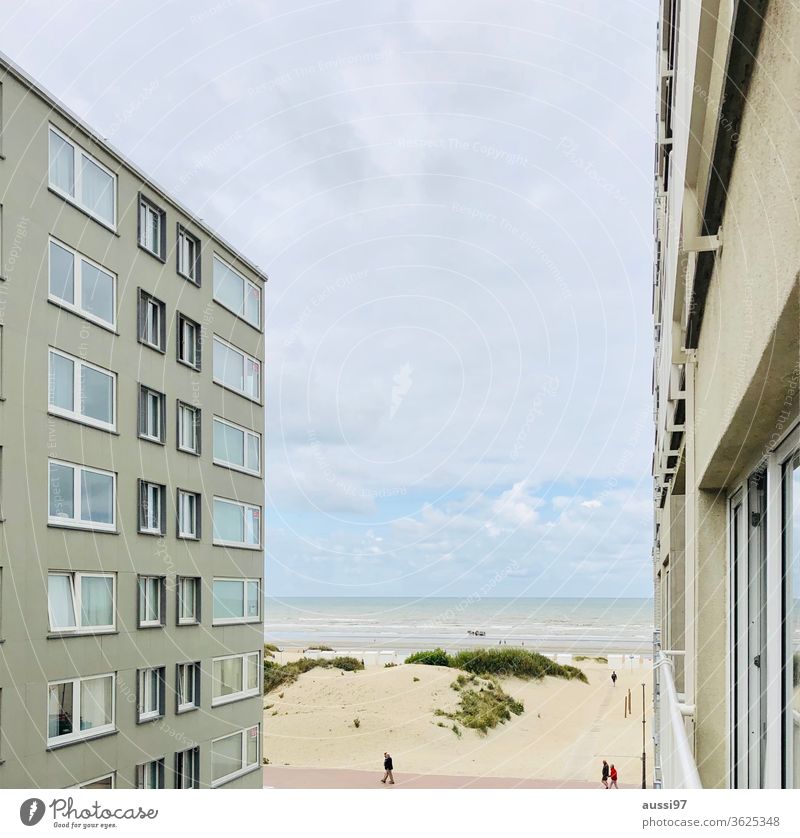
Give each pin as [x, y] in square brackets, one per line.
[675, 767]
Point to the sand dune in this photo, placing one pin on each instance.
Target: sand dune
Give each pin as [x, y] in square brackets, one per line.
[566, 729]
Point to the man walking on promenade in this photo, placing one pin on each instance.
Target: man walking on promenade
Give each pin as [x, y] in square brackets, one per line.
[614, 677]
[604, 778]
[388, 768]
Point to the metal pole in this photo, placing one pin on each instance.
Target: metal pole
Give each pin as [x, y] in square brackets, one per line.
[644, 751]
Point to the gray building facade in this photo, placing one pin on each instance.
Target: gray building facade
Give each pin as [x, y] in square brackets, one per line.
[131, 469]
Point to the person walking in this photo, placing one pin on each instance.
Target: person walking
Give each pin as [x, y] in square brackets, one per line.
[614, 677]
[388, 767]
[604, 778]
[613, 775]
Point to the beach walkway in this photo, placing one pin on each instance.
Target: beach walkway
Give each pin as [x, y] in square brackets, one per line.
[284, 777]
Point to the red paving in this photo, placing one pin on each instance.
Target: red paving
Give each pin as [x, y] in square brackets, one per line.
[284, 777]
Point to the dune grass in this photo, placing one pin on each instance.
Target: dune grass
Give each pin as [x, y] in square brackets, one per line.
[503, 663]
[482, 704]
[277, 675]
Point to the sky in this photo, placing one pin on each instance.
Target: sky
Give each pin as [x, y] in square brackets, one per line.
[452, 200]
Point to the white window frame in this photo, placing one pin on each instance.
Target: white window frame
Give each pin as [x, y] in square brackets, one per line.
[245, 692]
[245, 508]
[187, 672]
[142, 595]
[144, 683]
[76, 578]
[184, 236]
[77, 736]
[185, 324]
[145, 394]
[195, 618]
[245, 581]
[194, 751]
[76, 199]
[197, 418]
[245, 282]
[112, 775]
[142, 770]
[247, 767]
[245, 358]
[78, 259]
[77, 395]
[148, 490]
[77, 522]
[151, 325]
[148, 209]
[183, 496]
[246, 433]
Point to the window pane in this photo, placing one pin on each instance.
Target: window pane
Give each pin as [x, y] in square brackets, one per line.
[252, 599]
[228, 522]
[188, 428]
[228, 599]
[152, 611]
[252, 745]
[97, 292]
[105, 783]
[253, 383]
[62, 380]
[97, 601]
[62, 164]
[98, 190]
[62, 273]
[97, 395]
[228, 444]
[187, 596]
[252, 305]
[97, 498]
[59, 601]
[228, 287]
[227, 677]
[228, 366]
[252, 672]
[226, 756]
[253, 526]
[96, 703]
[59, 710]
[62, 503]
[253, 452]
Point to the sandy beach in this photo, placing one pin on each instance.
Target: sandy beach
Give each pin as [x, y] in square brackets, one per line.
[565, 731]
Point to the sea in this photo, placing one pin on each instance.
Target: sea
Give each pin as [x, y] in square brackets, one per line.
[408, 624]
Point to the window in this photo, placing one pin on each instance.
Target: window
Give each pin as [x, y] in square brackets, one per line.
[150, 775]
[236, 601]
[151, 601]
[80, 708]
[188, 255]
[152, 520]
[80, 496]
[81, 602]
[237, 370]
[188, 428]
[234, 755]
[236, 524]
[107, 781]
[187, 769]
[79, 284]
[152, 414]
[152, 322]
[152, 228]
[236, 447]
[188, 514]
[188, 342]
[82, 179]
[237, 294]
[187, 686]
[81, 391]
[188, 600]
[235, 677]
[150, 694]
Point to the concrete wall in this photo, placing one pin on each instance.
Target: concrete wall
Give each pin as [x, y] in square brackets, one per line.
[29, 547]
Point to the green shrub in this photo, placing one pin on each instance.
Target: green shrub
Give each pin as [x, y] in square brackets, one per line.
[276, 675]
[517, 663]
[318, 649]
[356, 722]
[269, 650]
[483, 709]
[437, 657]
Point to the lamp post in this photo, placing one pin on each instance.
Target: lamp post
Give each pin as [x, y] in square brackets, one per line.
[644, 750]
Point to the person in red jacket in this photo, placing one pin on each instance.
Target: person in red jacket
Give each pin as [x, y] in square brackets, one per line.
[613, 776]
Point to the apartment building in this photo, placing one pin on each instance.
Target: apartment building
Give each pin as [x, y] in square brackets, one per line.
[131, 460]
[726, 375]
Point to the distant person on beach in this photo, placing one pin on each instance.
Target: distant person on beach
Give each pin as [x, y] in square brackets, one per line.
[388, 767]
[613, 775]
[614, 677]
[604, 778]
